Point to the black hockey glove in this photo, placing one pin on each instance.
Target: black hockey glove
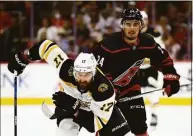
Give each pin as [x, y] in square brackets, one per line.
[66, 102]
[171, 84]
[17, 63]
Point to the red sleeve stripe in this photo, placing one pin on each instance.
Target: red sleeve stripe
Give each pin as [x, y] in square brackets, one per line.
[168, 64]
[167, 61]
[145, 47]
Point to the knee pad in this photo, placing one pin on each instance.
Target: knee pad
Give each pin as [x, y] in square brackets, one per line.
[68, 127]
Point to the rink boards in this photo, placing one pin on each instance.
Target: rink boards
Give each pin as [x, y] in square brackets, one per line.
[39, 81]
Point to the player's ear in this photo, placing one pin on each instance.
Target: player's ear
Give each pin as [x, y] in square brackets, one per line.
[142, 25]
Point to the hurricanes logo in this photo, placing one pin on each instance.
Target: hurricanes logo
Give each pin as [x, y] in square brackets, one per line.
[102, 87]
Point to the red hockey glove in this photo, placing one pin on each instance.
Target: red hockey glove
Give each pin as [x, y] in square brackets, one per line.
[171, 84]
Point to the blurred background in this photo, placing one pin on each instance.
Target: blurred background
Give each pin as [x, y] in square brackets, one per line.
[78, 26]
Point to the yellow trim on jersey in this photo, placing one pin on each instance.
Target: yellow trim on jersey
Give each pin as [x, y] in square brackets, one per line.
[100, 71]
[104, 120]
[61, 89]
[69, 84]
[49, 50]
[45, 45]
[98, 123]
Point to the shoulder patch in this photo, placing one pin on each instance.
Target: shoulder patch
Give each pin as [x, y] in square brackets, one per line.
[70, 71]
[103, 87]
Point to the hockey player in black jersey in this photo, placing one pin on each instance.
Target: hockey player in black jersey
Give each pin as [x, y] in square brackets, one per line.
[120, 55]
[148, 74]
[88, 97]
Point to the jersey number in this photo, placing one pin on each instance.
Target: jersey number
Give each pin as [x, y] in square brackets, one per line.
[107, 106]
[58, 60]
[100, 60]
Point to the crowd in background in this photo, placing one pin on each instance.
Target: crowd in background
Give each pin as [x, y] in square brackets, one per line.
[79, 26]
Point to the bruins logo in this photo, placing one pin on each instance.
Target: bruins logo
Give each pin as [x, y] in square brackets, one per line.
[102, 87]
[70, 71]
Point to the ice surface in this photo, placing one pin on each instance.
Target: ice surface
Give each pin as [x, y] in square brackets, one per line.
[173, 121]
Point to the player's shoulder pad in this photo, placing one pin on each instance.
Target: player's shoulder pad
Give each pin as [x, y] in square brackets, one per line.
[153, 31]
[66, 71]
[146, 40]
[102, 88]
[112, 42]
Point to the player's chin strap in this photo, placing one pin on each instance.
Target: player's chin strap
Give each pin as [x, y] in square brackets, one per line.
[141, 95]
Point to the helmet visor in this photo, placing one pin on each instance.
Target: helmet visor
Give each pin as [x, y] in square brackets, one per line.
[85, 75]
[131, 23]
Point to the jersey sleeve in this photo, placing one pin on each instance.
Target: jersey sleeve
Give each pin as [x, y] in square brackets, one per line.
[103, 102]
[102, 111]
[50, 52]
[102, 56]
[161, 60]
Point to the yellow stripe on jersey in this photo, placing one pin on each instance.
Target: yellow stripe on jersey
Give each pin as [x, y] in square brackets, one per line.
[45, 45]
[98, 124]
[100, 71]
[61, 88]
[49, 50]
[69, 84]
[104, 120]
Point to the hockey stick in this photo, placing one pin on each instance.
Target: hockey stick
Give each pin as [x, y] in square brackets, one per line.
[47, 112]
[186, 78]
[141, 95]
[15, 103]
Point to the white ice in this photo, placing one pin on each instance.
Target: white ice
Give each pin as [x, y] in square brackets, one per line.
[173, 121]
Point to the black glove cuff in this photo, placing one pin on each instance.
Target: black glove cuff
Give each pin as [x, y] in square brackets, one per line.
[22, 59]
[169, 70]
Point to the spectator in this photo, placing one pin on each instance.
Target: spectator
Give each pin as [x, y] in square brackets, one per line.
[42, 32]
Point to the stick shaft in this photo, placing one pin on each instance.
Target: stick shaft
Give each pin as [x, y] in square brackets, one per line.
[15, 106]
[142, 94]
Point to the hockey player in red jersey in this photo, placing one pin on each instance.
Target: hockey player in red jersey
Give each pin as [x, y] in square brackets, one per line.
[120, 55]
[88, 97]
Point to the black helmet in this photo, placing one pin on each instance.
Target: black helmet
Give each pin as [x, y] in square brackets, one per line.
[131, 14]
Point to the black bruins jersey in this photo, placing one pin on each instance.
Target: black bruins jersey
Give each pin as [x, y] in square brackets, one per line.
[100, 96]
[120, 61]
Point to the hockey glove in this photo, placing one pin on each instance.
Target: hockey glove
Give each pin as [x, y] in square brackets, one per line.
[17, 63]
[66, 102]
[171, 84]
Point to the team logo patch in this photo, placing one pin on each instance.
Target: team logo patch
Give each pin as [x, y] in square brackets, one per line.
[70, 71]
[102, 87]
